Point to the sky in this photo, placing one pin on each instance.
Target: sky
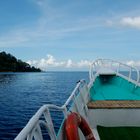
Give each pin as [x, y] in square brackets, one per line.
[69, 34]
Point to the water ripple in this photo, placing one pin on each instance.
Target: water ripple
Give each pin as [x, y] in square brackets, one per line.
[22, 94]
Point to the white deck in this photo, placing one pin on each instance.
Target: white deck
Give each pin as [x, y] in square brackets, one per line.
[106, 71]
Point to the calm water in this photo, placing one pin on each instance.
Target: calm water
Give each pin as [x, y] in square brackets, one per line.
[22, 94]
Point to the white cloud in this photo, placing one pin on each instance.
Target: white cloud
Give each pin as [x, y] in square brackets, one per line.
[52, 24]
[133, 63]
[130, 63]
[69, 63]
[130, 21]
[84, 63]
[44, 63]
[51, 62]
[133, 22]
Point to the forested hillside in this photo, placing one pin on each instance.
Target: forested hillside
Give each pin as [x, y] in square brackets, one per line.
[9, 63]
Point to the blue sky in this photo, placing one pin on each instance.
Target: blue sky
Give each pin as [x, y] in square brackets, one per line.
[62, 34]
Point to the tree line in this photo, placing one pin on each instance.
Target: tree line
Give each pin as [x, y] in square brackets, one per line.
[9, 63]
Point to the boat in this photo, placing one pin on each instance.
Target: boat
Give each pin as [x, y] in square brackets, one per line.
[105, 108]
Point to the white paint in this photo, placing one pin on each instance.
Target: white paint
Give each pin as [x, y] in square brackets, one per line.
[114, 117]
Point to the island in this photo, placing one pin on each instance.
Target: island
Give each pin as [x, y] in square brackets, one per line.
[9, 63]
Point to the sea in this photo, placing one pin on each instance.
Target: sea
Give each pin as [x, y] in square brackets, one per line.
[22, 94]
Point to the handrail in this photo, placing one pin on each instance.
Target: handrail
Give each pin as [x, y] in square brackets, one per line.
[23, 134]
[33, 123]
[100, 62]
[74, 91]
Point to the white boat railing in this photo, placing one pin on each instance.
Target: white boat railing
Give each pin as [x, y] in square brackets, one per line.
[32, 131]
[116, 67]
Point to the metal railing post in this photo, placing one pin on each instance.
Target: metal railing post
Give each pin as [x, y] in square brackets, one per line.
[50, 124]
[130, 71]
